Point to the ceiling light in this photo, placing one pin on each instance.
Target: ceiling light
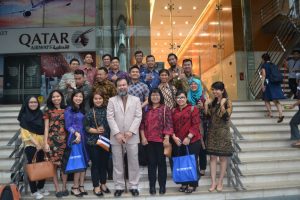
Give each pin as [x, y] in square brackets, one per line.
[166, 7]
[186, 22]
[158, 34]
[155, 44]
[162, 50]
[174, 22]
[169, 34]
[203, 34]
[165, 43]
[161, 22]
[180, 7]
[194, 7]
[197, 43]
[214, 23]
[180, 34]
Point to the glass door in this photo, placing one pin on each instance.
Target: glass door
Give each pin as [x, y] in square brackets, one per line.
[22, 78]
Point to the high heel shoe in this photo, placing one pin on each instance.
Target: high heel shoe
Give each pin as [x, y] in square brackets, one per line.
[219, 188]
[73, 193]
[83, 192]
[212, 188]
[280, 119]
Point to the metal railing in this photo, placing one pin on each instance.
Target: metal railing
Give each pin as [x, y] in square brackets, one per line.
[233, 171]
[18, 174]
[286, 38]
[272, 9]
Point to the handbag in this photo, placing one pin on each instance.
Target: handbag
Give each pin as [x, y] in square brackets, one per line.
[184, 168]
[102, 141]
[40, 170]
[167, 148]
[76, 161]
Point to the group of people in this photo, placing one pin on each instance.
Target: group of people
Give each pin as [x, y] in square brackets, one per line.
[154, 108]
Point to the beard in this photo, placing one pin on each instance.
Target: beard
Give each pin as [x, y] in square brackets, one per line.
[122, 93]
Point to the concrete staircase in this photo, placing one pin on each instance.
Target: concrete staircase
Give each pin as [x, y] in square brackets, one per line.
[269, 165]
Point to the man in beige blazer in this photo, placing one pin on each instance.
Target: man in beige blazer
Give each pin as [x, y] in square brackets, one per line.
[124, 115]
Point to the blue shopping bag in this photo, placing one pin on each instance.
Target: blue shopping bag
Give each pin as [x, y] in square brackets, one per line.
[184, 168]
[76, 161]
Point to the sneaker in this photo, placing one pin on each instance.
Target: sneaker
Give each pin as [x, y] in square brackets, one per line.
[44, 192]
[37, 195]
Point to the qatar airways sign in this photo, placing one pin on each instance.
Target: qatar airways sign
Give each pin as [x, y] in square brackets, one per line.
[36, 40]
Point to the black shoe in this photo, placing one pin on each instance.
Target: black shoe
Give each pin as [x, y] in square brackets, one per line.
[65, 193]
[59, 194]
[134, 192]
[152, 190]
[118, 193]
[76, 194]
[107, 191]
[83, 192]
[99, 194]
[162, 190]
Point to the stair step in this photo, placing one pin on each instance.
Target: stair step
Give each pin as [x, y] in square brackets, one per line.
[284, 135]
[250, 115]
[268, 152]
[264, 127]
[259, 121]
[256, 165]
[268, 143]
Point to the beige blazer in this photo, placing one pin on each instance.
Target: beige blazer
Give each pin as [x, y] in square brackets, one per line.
[122, 120]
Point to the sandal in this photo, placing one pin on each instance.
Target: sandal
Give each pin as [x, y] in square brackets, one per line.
[106, 190]
[190, 189]
[83, 192]
[73, 193]
[183, 188]
[98, 193]
[269, 115]
[280, 119]
[219, 188]
[212, 188]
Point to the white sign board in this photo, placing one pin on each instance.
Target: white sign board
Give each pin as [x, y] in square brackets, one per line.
[38, 40]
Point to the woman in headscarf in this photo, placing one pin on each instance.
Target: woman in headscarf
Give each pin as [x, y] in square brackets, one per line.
[32, 134]
[196, 98]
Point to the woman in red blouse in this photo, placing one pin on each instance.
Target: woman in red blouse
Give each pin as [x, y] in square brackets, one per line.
[186, 125]
[155, 129]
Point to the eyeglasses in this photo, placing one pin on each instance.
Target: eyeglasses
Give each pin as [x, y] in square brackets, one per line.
[181, 97]
[155, 95]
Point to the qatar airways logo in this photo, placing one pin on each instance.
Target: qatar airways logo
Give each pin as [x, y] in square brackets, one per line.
[55, 41]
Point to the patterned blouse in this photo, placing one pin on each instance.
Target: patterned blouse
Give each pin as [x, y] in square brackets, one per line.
[168, 92]
[187, 121]
[156, 123]
[89, 122]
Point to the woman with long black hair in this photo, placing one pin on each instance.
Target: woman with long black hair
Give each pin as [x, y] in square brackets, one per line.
[219, 137]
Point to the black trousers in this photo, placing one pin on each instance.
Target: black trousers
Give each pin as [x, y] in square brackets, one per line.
[293, 86]
[156, 162]
[194, 148]
[99, 158]
[29, 152]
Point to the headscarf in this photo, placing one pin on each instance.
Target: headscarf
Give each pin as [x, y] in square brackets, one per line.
[31, 120]
[194, 96]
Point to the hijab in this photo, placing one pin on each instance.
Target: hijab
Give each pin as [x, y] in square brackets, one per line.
[194, 96]
[31, 120]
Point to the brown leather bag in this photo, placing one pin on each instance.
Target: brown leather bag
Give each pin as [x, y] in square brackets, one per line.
[40, 170]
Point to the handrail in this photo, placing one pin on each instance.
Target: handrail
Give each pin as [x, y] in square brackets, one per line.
[279, 48]
[18, 174]
[233, 171]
